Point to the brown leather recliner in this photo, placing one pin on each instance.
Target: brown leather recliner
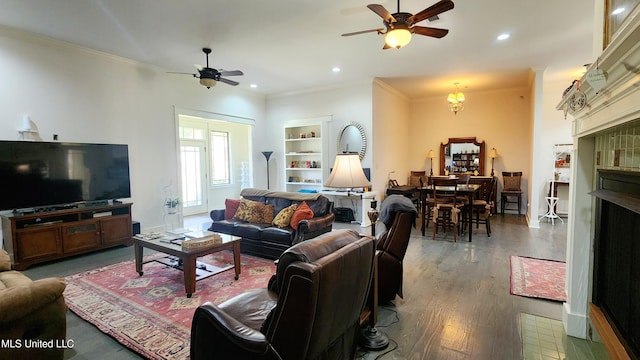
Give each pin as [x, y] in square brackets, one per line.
[310, 310]
[32, 313]
[399, 216]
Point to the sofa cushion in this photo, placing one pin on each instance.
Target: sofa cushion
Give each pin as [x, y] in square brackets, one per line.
[5, 260]
[230, 208]
[303, 212]
[267, 214]
[283, 219]
[278, 203]
[252, 231]
[249, 211]
[276, 235]
[320, 207]
[223, 226]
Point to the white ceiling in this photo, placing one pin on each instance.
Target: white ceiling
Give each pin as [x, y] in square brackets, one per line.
[292, 45]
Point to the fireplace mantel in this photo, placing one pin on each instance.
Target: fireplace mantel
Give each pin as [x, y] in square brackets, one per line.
[619, 101]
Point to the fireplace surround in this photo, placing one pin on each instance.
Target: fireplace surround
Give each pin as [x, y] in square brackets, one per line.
[616, 271]
[615, 106]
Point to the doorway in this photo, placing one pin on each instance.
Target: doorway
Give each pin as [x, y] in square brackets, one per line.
[214, 160]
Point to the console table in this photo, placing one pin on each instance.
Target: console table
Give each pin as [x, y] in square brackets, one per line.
[32, 238]
[364, 199]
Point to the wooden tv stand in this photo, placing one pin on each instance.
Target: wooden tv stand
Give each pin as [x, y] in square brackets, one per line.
[43, 236]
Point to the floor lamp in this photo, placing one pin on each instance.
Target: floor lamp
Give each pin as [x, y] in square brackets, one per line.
[267, 156]
[371, 338]
[347, 173]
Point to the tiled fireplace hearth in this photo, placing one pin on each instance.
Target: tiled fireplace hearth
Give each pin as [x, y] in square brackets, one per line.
[604, 232]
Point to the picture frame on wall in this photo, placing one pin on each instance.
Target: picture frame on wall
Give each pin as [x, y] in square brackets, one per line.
[615, 14]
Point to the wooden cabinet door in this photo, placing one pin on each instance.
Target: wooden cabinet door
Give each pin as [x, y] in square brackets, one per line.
[82, 235]
[37, 242]
[116, 230]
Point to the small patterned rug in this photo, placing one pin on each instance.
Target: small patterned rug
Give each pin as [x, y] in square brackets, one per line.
[150, 314]
[538, 278]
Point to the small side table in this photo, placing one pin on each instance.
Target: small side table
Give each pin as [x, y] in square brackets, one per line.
[552, 202]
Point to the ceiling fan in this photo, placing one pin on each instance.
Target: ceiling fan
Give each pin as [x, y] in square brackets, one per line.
[400, 25]
[210, 76]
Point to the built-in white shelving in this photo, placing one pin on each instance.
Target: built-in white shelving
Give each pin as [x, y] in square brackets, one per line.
[305, 158]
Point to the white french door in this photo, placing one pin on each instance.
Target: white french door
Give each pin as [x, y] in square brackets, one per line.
[193, 162]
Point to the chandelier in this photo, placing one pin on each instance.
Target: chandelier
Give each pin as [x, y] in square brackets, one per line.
[456, 100]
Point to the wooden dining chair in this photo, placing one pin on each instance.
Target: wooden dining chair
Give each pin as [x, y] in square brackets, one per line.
[511, 182]
[463, 179]
[417, 179]
[483, 209]
[446, 207]
[428, 203]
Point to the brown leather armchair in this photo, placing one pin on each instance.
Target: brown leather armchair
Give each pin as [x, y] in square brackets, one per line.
[30, 311]
[399, 216]
[310, 310]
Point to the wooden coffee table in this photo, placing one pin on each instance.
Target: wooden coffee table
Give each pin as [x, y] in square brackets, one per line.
[185, 259]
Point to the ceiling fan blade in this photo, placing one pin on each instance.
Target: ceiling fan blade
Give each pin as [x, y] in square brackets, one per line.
[429, 31]
[382, 12]
[230, 72]
[378, 30]
[435, 9]
[230, 82]
[182, 73]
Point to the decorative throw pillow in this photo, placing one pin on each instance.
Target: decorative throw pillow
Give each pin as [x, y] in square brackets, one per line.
[231, 206]
[303, 212]
[283, 219]
[249, 211]
[267, 214]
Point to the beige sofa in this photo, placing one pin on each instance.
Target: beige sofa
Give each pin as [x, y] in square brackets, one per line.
[33, 323]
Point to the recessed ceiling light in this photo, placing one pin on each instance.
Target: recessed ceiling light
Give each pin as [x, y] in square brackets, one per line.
[618, 11]
[504, 36]
[253, 86]
[336, 69]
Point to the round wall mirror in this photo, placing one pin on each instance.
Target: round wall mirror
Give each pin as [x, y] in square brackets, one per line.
[352, 139]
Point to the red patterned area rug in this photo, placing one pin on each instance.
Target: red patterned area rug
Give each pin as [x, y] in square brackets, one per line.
[538, 278]
[150, 314]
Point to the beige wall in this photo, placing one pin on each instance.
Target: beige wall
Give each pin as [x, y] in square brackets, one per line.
[500, 118]
[391, 128]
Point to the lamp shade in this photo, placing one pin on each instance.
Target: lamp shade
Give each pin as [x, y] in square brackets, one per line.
[209, 83]
[347, 173]
[398, 37]
[493, 153]
[431, 154]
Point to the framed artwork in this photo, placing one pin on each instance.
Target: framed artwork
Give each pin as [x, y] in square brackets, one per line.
[615, 13]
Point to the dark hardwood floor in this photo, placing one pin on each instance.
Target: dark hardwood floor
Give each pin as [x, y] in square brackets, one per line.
[456, 295]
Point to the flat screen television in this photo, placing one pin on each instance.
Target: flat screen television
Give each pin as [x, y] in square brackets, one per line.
[46, 174]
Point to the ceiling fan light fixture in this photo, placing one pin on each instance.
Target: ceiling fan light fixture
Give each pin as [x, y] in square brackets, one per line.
[209, 83]
[398, 37]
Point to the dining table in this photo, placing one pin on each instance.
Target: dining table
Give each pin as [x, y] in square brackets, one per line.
[468, 190]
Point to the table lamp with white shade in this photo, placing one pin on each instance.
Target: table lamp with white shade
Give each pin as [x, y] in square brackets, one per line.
[431, 155]
[347, 173]
[493, 154]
